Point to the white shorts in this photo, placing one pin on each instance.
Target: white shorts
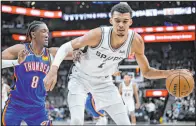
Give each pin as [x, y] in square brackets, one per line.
[130, 106]
[103, 90]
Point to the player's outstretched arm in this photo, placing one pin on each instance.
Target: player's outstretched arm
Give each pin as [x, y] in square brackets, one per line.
[148, 72]
[91, 38]
[10, 55]
[53, 51]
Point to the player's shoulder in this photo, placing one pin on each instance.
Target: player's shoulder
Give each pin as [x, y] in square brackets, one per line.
[19, 46]
[121, 84]
[138, 39]
[95, 32]
[137, 44]
[134, 84]
[99, 31]
[105, 28]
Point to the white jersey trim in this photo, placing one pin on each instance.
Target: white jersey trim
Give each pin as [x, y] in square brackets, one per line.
[130, 43]
[101, 41]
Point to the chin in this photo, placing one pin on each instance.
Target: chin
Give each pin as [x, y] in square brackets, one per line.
[46, 45]
[120, 35]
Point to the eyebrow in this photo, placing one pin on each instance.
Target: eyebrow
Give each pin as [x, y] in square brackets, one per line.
[45, 29]
[119, 19]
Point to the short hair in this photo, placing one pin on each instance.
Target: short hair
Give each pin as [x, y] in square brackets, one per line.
[122, 8]
[32, 27]
[129, 74]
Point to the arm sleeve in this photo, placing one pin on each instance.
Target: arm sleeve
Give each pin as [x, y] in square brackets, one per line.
[62, 53]
[9, 63]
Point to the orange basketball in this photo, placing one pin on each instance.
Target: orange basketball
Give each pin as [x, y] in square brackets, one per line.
[180, 84]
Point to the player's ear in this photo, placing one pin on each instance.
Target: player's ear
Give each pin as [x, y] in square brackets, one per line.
[33, 34]
[131, 22]
[111, 21]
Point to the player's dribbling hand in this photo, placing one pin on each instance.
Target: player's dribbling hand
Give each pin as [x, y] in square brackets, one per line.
[51, 78]
[22, 55]
[180, 70]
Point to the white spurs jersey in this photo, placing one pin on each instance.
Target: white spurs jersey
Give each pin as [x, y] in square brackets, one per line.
[127, 92]
[103, 60]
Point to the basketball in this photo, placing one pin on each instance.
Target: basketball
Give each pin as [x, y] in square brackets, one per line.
[180, 84]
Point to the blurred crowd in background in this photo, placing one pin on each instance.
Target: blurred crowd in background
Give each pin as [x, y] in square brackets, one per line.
[171, 55]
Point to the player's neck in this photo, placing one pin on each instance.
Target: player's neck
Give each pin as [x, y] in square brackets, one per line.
[37, 49]
[127, 83]
[117, 41]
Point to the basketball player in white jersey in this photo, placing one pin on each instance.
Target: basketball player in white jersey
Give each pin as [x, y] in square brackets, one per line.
[107, 46]
[5, 91]
[127, 89]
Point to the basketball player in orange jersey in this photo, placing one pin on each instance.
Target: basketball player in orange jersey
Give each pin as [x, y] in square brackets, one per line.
[107, 46]
[27, 100]
[127, 89]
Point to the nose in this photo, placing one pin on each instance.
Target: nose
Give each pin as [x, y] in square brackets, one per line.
[121, 24]
[47, 35]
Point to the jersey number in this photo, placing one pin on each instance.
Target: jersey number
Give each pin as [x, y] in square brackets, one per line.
[35, 81]
[101, 65]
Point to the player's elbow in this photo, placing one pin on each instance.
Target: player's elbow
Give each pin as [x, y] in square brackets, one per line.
[147, 73]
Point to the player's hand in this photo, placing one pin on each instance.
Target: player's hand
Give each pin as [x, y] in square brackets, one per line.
[22, 55]
[137, 105]
[180, 70]
[76, 55]
[117, 73]
[51, 78]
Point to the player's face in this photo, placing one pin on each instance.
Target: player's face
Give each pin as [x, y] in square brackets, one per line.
[121, 23]
[41, 35]
[127, 78]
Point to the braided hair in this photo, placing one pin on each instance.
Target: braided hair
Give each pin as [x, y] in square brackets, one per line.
[31, 28]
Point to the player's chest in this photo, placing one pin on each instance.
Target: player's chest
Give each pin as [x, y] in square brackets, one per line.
[127, 89]
[108, 55]
[33, 64]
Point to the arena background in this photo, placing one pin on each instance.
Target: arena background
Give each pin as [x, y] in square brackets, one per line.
[168, 29]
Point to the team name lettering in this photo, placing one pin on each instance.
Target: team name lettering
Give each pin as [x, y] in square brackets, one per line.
[36, 66]
[99, 54]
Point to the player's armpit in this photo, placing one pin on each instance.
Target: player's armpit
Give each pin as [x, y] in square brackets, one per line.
[12, 52]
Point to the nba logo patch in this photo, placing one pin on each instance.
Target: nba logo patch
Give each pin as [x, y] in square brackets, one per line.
[45, 58]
